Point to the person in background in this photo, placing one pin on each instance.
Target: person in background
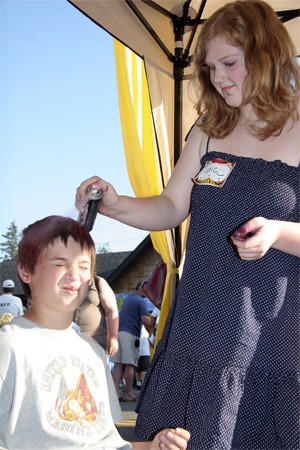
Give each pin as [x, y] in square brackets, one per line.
[98, 315]
[60, 376]
[133, 314]
[144, 358]
[10, 305]
[227, 367]
[154, 319]
[24, 300]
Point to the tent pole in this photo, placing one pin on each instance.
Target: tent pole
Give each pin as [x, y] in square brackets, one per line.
[177, 145]
[178, 72]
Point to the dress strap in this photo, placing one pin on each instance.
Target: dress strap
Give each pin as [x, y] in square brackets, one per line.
[207, 145]
[189, 132]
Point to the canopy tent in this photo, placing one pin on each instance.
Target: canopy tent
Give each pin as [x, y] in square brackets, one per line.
[163, 33]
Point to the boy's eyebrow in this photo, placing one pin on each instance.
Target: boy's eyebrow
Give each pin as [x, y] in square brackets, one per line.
[60, 258]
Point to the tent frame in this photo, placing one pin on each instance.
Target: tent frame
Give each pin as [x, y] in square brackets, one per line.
[180, 60]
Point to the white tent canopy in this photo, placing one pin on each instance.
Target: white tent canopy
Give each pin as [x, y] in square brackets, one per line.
[164, 33]
[122, 21]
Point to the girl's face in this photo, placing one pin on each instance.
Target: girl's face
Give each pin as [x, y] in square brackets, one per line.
[227, 70]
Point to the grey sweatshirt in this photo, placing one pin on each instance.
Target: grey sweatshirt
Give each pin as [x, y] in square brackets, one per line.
[56, 391]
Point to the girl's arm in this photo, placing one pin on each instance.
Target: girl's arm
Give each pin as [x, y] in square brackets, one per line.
[155, 213]
[256, 236]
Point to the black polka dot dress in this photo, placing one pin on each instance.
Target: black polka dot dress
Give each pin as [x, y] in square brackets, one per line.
[227, 366]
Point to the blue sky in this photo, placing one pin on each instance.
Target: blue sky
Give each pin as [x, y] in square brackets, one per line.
[59, 116]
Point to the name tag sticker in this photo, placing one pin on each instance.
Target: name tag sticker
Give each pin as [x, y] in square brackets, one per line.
[214, 173]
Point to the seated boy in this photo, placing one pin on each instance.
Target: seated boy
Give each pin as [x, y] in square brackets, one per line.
[56, 391]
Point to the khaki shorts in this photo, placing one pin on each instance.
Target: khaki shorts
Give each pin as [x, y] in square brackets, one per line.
[127, 353]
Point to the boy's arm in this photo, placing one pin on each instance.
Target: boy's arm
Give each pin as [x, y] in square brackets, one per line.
[6, 385]
[114, 403]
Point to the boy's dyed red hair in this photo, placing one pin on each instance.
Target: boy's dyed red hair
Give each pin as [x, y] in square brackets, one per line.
[41, 234]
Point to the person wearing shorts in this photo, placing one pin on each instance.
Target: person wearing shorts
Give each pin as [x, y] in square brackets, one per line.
[133, 314]
[144, 358]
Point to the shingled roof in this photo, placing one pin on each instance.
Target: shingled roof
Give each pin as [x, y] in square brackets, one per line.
[108, 265]
[110, 277]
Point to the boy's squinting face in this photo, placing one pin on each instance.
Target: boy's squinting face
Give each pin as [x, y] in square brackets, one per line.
[61, 276]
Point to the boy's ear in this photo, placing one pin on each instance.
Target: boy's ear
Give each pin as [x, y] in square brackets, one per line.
[24, 274]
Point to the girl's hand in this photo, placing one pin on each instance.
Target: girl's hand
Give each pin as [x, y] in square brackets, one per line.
[254, 238]
[109, 198]
[171, 439]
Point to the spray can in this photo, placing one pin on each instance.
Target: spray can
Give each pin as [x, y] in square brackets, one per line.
[88, 216]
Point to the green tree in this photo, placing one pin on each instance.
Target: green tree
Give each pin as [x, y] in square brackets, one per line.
[104, 248]
[10, 246]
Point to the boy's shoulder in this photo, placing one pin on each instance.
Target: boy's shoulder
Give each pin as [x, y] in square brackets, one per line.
[13, 326]
[24, 337]
[94, 344]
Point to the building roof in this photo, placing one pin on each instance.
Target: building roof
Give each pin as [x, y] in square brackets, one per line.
[128, 260]
[108, 265]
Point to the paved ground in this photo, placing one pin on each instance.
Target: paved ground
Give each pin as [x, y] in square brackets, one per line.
[126, 426]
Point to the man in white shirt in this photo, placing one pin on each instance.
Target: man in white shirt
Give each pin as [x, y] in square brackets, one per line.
[9, 303]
